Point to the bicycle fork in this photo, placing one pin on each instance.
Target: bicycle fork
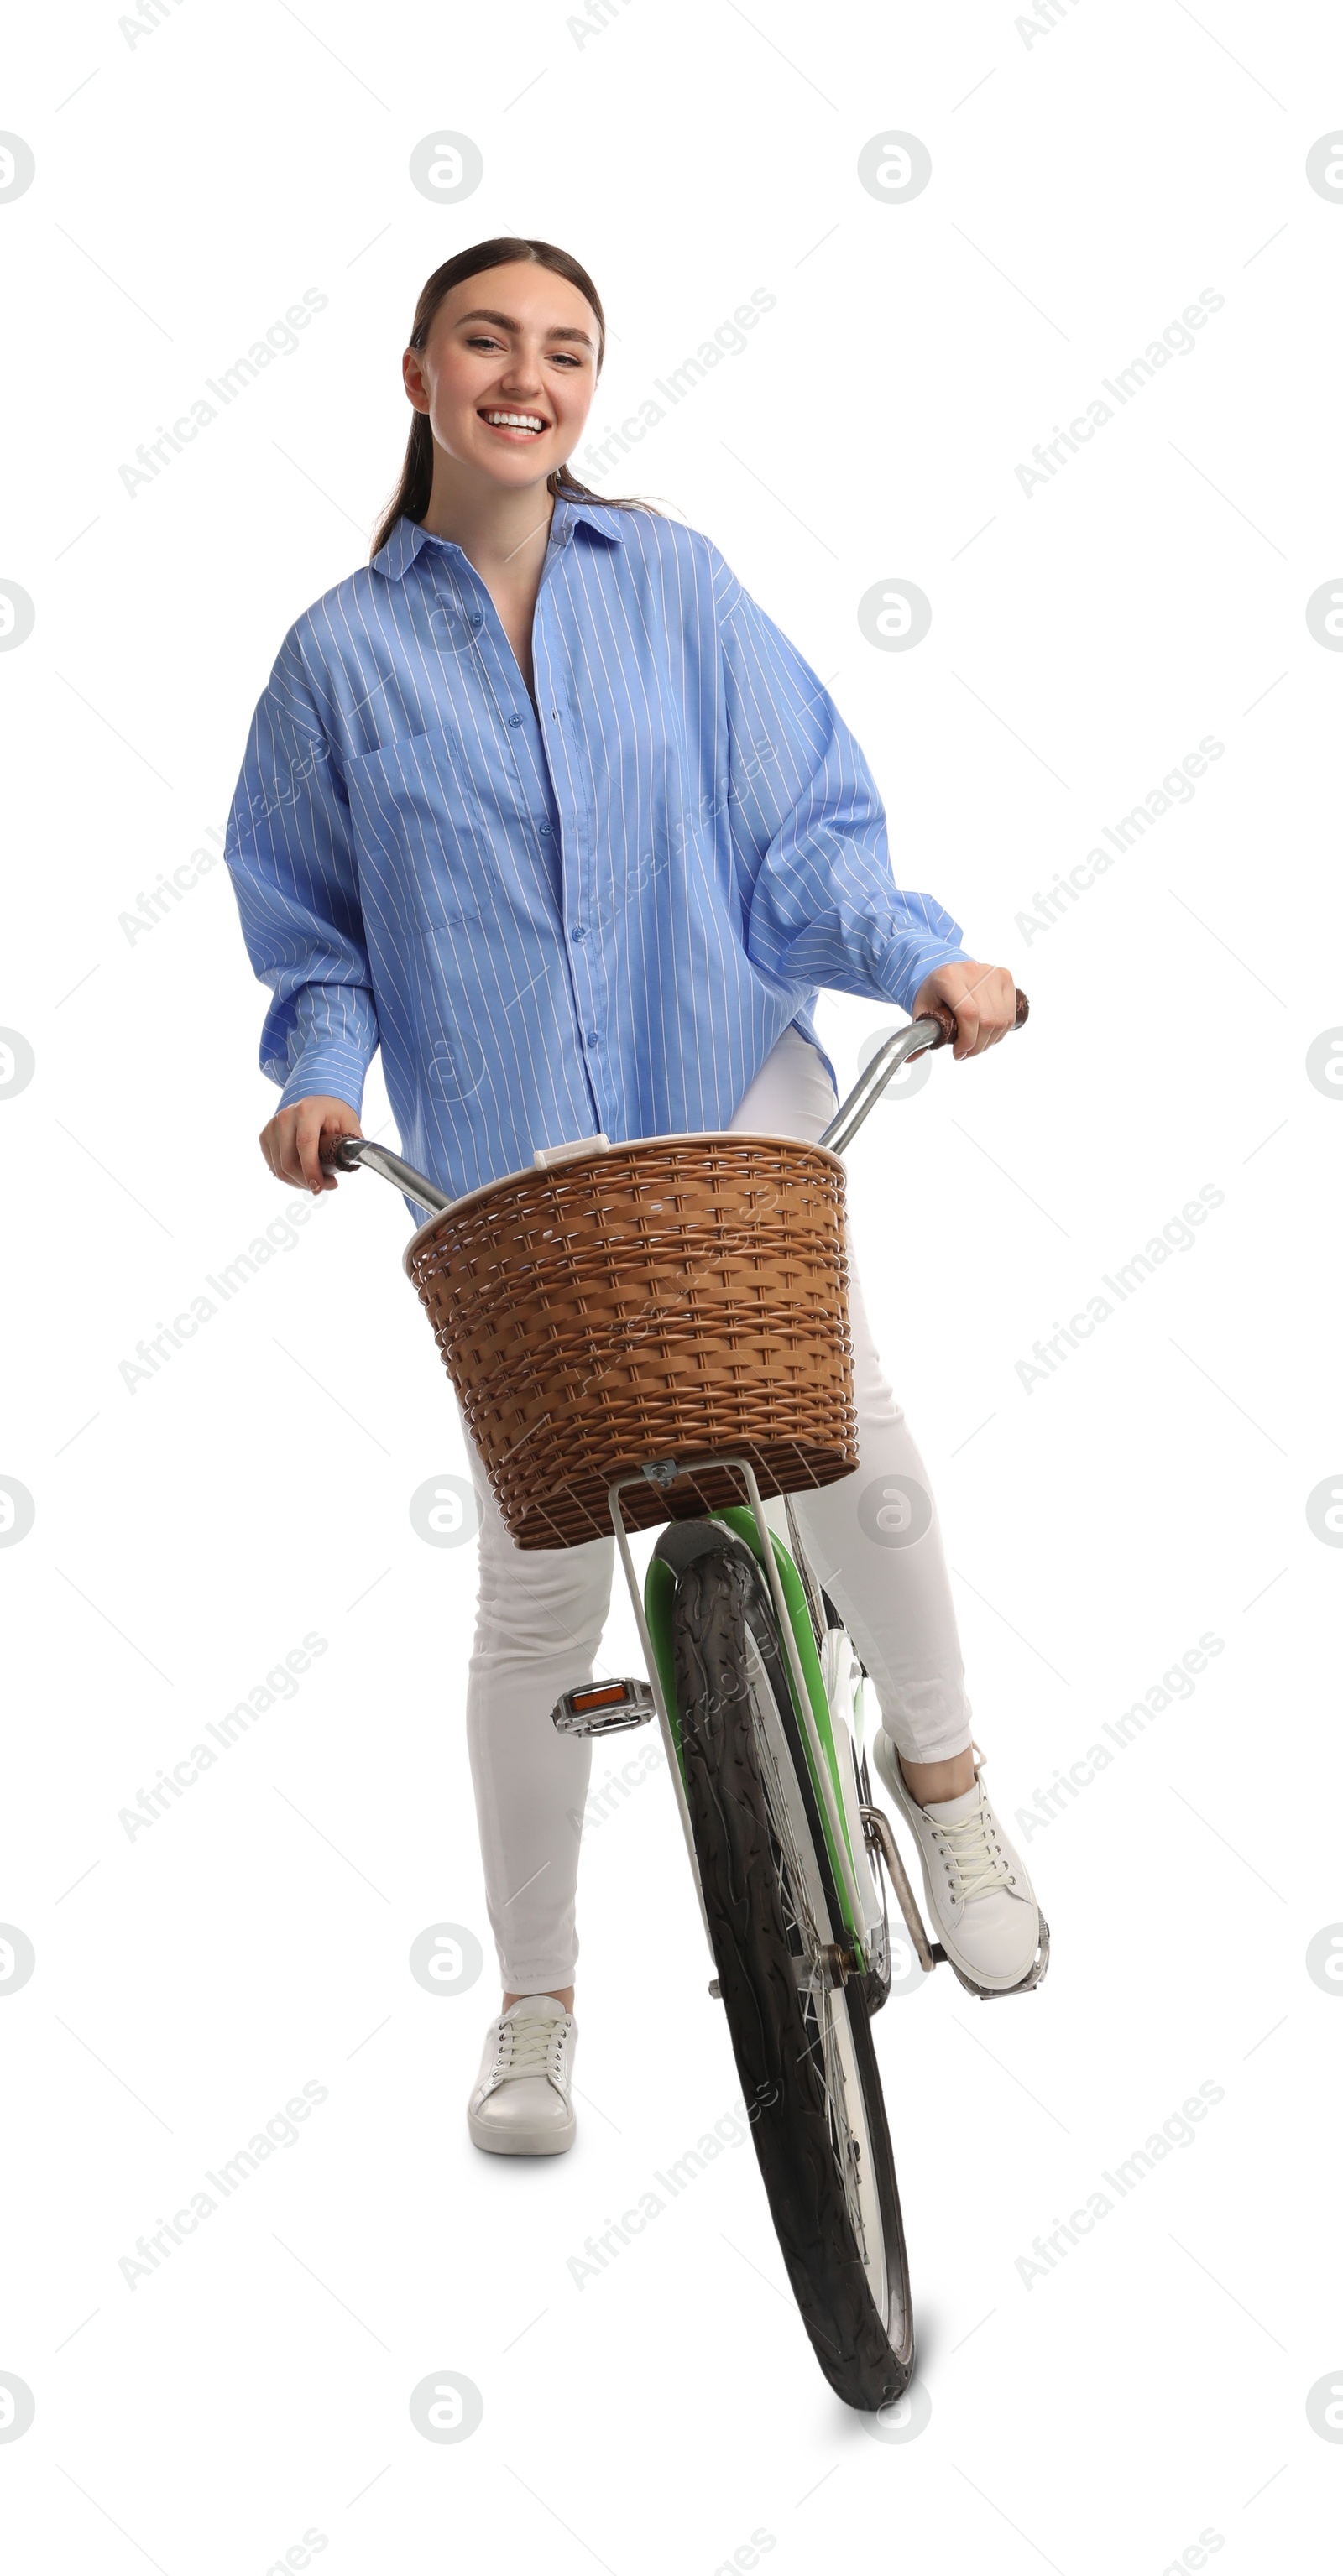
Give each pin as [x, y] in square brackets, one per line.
[611, 1707]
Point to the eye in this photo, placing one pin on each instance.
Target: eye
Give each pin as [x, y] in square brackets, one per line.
[483, 340]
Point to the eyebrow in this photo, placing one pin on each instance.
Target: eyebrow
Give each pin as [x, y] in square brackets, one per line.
[505, 322]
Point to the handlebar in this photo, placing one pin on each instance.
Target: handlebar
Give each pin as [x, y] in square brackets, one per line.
[936, 1028]
[933, 1029]
[346, 1153]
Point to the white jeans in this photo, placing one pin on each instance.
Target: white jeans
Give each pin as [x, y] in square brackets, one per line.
[873, 1540]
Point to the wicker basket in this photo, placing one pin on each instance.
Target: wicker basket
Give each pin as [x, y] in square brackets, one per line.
[674, 1298]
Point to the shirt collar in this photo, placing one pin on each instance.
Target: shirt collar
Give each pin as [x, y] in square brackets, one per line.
[407, 538]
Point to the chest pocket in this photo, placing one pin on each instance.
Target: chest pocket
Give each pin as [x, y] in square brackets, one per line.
[423, 864]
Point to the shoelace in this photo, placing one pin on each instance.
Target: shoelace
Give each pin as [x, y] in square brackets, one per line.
[525, 2046]
[975, 1855]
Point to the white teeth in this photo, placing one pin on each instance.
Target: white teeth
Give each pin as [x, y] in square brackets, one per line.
[514, 420]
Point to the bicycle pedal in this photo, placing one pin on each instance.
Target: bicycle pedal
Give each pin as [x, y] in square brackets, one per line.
[603, 1708]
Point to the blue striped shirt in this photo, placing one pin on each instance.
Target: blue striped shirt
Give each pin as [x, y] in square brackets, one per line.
[595, 913]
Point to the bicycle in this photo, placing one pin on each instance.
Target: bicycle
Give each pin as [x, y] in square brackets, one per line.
[756, 1686]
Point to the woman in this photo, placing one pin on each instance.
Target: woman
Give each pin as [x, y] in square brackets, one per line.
[544, 804]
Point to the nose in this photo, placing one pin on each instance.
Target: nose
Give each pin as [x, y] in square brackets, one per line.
[522, 375]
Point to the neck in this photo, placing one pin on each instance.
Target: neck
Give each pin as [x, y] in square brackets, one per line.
[500, 528]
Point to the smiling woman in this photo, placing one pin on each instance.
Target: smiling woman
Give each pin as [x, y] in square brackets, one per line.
[500, 372]
[484, 335]
[543, 804]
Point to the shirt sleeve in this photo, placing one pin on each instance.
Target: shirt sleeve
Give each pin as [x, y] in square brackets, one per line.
[809, 830]
[289, 849]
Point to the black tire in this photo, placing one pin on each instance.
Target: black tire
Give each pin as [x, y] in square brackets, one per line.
[726, 1652]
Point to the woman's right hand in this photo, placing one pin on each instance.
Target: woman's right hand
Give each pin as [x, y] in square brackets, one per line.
[292, 1140]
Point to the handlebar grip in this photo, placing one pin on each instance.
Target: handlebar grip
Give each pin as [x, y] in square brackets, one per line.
[946, 1021]
[334, 1154]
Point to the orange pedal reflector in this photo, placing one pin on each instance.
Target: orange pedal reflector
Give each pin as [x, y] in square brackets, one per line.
[603, 1708]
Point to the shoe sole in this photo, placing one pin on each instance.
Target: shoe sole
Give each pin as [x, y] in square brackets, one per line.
[527, 2142]
[977, 1984]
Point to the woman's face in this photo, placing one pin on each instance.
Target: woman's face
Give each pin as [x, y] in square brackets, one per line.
[508, 372]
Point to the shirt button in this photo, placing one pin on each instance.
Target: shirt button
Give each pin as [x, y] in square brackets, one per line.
[544, 830]
[515, 720]
[476, 619]
[579, 932]
[592, 1040]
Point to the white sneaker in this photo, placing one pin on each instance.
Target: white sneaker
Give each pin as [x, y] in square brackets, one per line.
[521, 2104]
[978, 1889]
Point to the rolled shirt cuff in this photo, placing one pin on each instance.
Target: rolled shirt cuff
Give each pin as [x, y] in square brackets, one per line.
[329, 1072]
[911, 961]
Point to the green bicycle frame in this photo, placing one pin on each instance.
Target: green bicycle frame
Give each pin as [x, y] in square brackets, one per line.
[659, 1592]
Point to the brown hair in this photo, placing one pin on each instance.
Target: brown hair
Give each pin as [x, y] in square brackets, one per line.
[411, 498]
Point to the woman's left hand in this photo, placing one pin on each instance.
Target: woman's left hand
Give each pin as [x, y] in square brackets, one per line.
[984, 999]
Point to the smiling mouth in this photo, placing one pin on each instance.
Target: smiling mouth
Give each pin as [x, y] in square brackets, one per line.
[523, 424]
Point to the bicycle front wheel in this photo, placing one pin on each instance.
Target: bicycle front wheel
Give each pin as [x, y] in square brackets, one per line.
[799, 2030]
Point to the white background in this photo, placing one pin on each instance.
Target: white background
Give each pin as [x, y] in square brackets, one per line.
[1086, 186]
